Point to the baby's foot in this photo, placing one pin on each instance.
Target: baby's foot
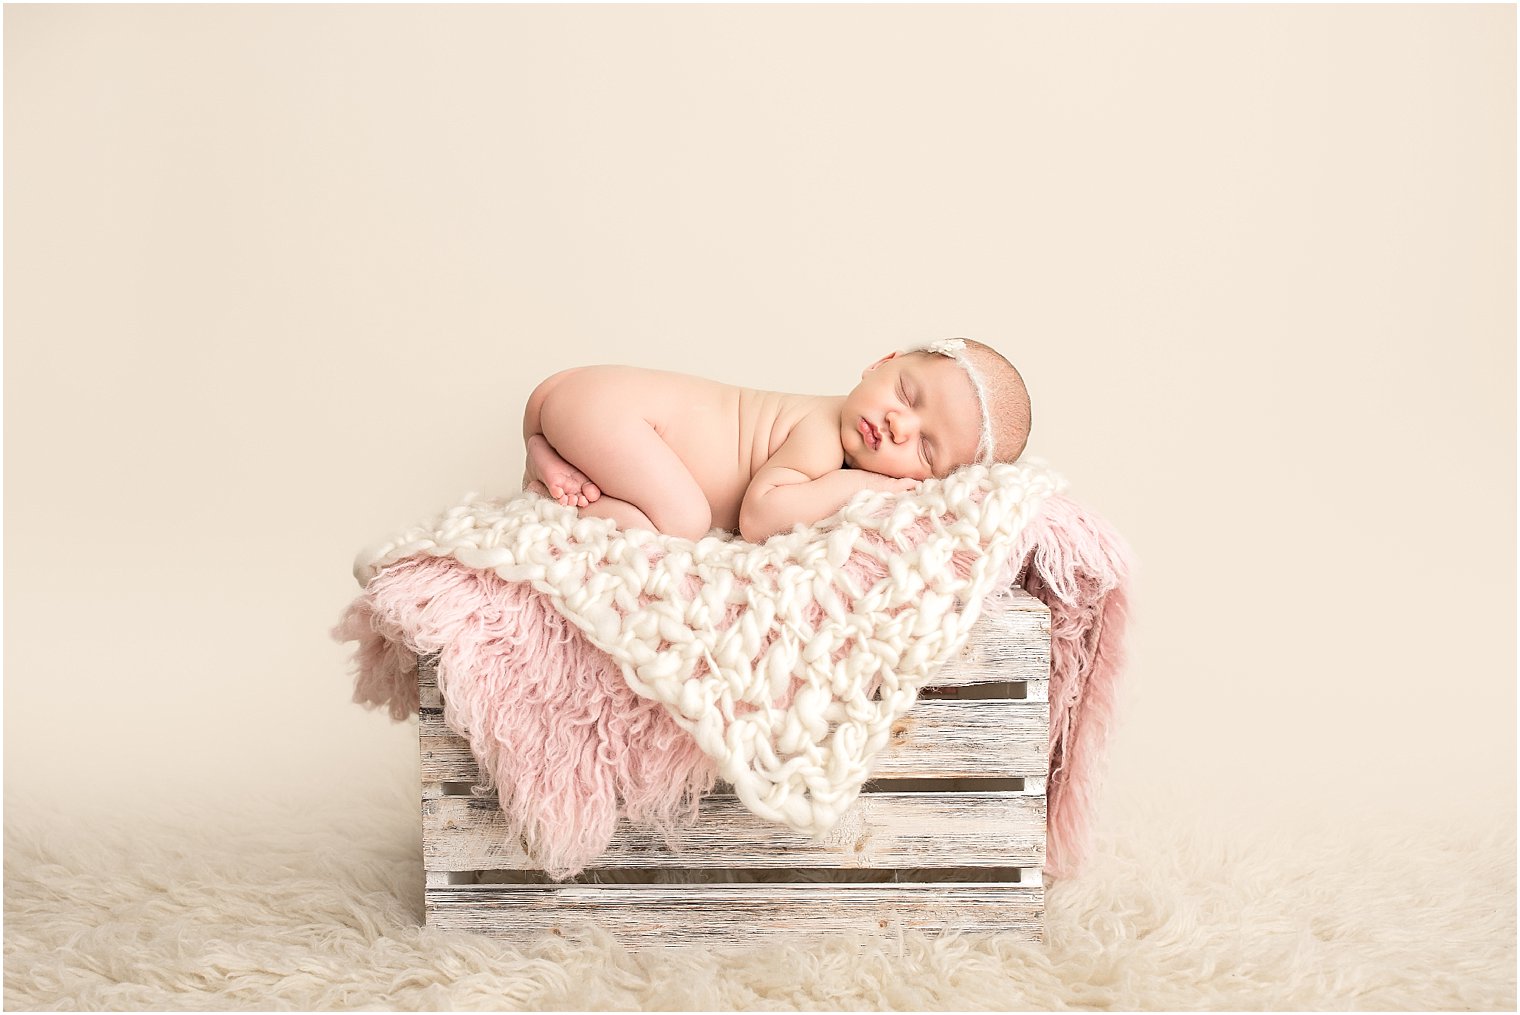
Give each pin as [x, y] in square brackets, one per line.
[565, 482]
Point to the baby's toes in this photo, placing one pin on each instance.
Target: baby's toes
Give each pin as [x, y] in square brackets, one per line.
[590, 491]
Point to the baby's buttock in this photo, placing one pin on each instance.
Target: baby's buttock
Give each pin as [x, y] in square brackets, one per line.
[723, 433]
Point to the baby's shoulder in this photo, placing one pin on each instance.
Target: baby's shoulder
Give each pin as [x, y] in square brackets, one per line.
[812, 444]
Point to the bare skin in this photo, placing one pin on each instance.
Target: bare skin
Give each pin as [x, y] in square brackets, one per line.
[685, 455]
[566, 483]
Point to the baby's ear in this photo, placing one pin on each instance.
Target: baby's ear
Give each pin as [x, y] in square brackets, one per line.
[873, 366]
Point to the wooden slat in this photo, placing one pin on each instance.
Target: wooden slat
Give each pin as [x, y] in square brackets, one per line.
[992, 738]
[427, 685]
[879, 831]
[653, 916]
[988, 739]
[1009, 641]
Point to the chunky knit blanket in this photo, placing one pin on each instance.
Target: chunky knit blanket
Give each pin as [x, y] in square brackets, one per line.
[784, 664]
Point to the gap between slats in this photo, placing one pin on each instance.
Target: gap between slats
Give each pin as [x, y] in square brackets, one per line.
[742, 875]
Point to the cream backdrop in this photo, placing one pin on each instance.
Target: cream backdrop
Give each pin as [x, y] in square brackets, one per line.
[279, 280]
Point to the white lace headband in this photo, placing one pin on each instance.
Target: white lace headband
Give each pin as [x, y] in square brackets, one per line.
[951, 348]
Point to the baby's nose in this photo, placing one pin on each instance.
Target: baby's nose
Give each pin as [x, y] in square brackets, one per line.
[902, 425]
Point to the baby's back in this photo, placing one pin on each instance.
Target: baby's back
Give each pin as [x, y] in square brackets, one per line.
[722, 432]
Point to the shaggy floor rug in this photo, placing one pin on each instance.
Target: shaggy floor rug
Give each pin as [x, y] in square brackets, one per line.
[319, 910]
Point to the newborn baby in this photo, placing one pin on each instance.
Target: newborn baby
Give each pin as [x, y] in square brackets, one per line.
[684, 455]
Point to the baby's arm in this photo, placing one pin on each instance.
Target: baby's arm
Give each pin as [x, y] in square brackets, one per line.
[802, 482]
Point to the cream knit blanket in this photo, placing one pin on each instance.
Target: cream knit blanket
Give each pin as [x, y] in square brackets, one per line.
[786, 670]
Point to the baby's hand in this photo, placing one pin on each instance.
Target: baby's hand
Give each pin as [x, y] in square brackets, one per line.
[891, 484]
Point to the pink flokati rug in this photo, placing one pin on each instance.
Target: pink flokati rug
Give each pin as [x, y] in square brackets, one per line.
[569, 747]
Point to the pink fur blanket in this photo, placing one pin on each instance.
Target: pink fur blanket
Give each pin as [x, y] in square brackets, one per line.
[569, 747]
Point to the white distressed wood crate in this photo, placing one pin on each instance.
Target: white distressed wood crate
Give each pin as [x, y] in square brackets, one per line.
[949, 834]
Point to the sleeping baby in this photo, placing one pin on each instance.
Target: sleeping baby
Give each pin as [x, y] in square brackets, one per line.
[684, 455]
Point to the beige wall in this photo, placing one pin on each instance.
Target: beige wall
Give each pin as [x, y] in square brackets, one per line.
[278, 282]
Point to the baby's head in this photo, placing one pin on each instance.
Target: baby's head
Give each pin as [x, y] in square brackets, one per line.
[928, 411]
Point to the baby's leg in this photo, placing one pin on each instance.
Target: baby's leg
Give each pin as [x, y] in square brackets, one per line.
[562, 481]
[603, 431]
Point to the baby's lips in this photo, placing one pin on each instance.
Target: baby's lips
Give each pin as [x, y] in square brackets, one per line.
[865, 431]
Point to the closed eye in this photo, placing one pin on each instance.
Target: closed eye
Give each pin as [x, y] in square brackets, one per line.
[923, 449]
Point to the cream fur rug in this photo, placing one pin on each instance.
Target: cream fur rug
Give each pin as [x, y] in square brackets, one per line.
[240, 912]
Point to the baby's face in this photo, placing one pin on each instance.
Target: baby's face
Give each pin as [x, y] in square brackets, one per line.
[923, 412]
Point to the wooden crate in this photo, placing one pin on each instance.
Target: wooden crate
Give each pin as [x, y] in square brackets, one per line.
[949, 834]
